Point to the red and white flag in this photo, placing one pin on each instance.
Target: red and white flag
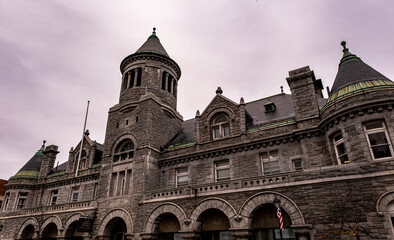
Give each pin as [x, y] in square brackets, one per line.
[279, 214]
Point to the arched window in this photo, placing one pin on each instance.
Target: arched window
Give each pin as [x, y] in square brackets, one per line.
[220, 126]
[125, 150]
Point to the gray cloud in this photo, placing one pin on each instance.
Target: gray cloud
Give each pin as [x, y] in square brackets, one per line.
[56, 55]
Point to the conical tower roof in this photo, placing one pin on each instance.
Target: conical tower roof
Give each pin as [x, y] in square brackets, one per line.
[152, 45]
[32, 168]
[354, 75]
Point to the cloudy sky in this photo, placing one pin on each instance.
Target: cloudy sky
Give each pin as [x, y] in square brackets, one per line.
[57, 55]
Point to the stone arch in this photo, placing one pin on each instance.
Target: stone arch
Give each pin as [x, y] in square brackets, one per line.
[121, 138]
[383, 201]
[52, 219]
[258, 199]
[71, 219]
[226, 110]
[164, 208]
[213, 203]
[30, 221]
[116, 213]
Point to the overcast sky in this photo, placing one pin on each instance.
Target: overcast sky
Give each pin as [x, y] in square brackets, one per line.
[57, 55]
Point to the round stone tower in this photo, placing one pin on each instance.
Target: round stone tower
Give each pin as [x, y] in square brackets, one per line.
[150, 70]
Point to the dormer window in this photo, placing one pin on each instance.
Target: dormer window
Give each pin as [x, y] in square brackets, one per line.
[125, 150]
[270, 107]
[220, 127]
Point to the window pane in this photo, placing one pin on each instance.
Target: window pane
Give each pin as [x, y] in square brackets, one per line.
[216, 132]
[297, 164]
[337, 137]
[373, 125]
[181, 170]
[273, 154]
[222, 163]
[223, 173]
[182, 180]
[344, 159]
[341, 149]
[377, 138]
[221, 119]
[381, 151]
[226, 130]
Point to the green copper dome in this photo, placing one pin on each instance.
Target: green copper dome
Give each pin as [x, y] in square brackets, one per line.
[354, 76]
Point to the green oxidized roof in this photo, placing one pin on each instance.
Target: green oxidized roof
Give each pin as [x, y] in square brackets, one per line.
[32, 168]
[354, 76]
[152, 45]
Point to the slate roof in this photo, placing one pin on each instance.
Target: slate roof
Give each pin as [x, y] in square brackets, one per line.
[256, 109]
[353, 70]
[153, 45]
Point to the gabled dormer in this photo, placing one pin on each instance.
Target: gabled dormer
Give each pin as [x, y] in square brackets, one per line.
[91, 154]
[222, 118]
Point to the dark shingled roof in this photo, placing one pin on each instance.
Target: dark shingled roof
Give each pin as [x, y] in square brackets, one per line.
[153, 45]
[186, 135]
[256, 109]
[353, 70]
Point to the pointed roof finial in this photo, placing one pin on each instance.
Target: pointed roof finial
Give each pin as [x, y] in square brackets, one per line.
[41, 150]
[345, 49]
[154, 31]
[281, 89]
[219, 90]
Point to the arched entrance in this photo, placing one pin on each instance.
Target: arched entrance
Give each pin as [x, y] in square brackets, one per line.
[72, 232]
[167, 226]
[116, 229]
[265, 224]
[49, 232]
[28, 233]
[214, 225]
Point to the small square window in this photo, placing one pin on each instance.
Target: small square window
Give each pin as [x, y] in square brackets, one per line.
[182, 177]
[75, 194]
[222, 170]
[297, 164]
[270, 162]
[53, 198]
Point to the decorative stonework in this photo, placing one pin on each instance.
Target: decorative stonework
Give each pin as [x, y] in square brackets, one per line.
[30, 221]
[52, 219]
[161, 209]
[120, 213]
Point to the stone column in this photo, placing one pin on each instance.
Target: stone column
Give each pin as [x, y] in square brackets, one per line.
[128, 80]
[135, 77]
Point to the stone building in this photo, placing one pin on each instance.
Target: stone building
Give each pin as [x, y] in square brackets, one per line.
[222, 174]
[2, 190]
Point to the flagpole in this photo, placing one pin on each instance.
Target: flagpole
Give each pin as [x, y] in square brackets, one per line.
[83, 137]
[280, 217]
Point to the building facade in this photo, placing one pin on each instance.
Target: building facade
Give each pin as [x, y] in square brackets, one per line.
[328, 164]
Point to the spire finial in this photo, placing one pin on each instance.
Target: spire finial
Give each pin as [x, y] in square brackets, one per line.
[154, 31]
[281, 89]
[345, 49]
[219, 91]
[43, 143]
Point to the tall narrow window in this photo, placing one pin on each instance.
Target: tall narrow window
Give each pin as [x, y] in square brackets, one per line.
[163, 80]
[95, 191]
[75, 194]
[124, 150]
[182, 176]
[53, 197]
[340, 149]
[270, 162]
[22, 197]
[131, 78]
[6, 201]
[120, 183]
[220, 127]
[378, 140]
[139, 77]
[222, 170]
[169, 83]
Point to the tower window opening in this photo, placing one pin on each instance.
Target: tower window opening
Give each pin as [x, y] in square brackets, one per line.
[163, 80]
[169, 83]
[139, 77]
[131, 78]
